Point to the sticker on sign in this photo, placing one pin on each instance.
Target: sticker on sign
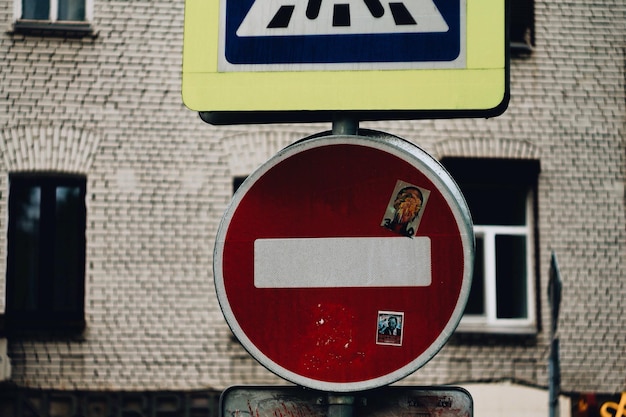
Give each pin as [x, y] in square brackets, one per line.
[342, 262]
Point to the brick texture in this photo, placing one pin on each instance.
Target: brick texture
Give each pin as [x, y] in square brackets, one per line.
[159, 179]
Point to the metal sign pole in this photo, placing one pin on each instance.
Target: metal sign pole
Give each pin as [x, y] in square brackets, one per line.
[340, 405]
[345, 125]
[554, 375]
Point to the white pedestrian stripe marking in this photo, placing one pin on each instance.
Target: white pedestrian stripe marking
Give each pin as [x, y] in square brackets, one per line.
[341, 17]
[342, 262]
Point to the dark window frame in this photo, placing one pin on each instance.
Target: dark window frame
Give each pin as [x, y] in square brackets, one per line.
[521, 26]
[49, 309]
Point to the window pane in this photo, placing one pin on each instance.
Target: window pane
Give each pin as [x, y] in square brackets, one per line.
[36, 9]
[496, 205]
[46, 252]
[521, 25]
[476, 302]
[68, 244]
[511, 277]
[73, 10]
[24, 257]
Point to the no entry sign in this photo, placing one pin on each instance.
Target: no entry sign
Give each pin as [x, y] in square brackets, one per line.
[344, 262]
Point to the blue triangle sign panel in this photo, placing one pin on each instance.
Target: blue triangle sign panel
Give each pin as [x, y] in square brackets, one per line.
[340, 34]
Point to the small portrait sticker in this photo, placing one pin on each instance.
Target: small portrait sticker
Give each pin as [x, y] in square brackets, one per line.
[390, 328]
[405, 208]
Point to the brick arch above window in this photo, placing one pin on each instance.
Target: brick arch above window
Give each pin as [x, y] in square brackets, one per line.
[47, 148]
[247, 151]
[487, 148]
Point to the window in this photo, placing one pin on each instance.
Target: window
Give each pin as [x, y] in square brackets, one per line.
[521, 25]
[237, 181]
[53, 10]
[46, 252]
[53, 16]
[500, 195]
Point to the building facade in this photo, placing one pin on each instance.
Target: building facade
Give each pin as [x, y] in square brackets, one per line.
[108, 305]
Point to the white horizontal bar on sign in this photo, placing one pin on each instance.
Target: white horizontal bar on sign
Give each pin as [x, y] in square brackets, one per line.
[342, 262]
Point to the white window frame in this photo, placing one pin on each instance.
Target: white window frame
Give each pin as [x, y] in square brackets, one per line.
[52, 17]
[489, 322]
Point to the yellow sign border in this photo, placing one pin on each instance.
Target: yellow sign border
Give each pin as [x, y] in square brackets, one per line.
[482, 85]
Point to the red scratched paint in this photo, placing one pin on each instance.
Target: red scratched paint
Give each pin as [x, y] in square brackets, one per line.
[329, 334]
[253, 413]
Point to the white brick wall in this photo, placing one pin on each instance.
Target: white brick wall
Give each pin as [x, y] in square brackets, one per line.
[159, 180]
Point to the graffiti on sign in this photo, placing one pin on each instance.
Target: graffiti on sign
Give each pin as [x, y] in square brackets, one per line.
[599, 405]
[613, 409]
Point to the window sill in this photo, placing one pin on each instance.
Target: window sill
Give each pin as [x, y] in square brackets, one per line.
[526, 328]
[55, 29]
[27, 327]
[520, 49]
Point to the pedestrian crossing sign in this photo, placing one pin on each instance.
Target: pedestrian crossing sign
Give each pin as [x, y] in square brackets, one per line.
[305, 60]
[321, 34]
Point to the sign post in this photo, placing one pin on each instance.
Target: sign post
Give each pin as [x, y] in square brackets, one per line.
[344, 263]
[555, 288]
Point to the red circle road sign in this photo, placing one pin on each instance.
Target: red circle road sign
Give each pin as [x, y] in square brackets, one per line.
[344, 262]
